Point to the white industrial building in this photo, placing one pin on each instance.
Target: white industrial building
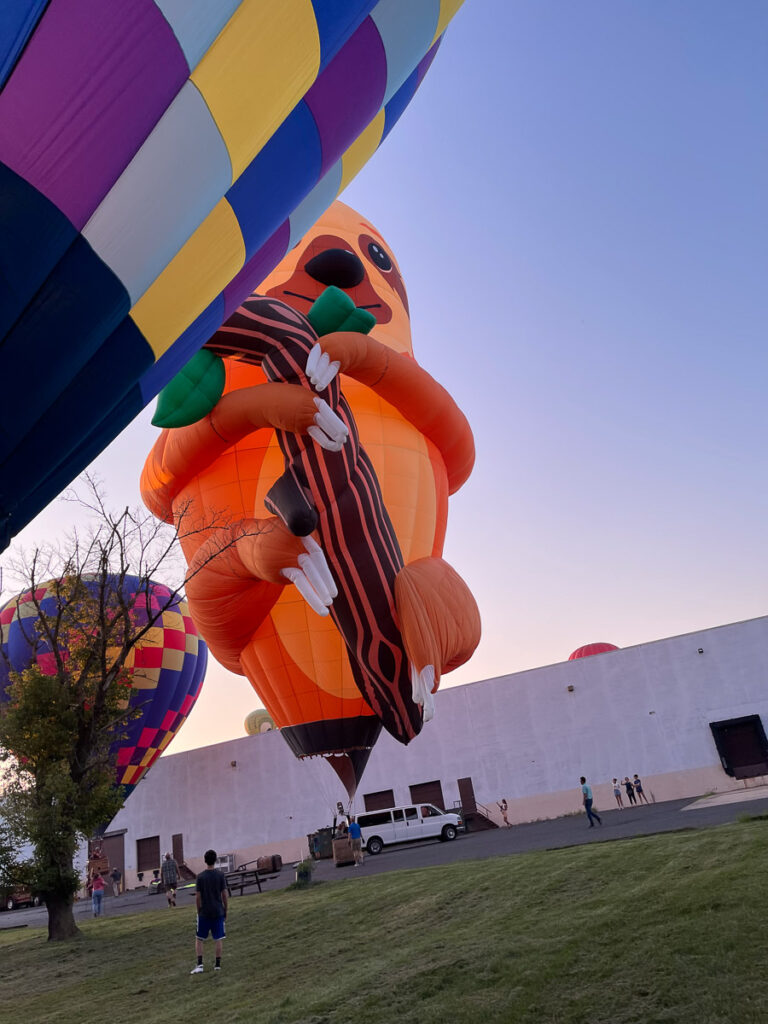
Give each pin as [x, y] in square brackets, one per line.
[685, 713]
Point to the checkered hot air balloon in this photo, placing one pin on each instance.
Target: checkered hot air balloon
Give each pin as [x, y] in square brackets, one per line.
[157, 160]
[166, 668]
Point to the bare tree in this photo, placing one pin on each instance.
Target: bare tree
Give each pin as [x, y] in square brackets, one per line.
[57, 727]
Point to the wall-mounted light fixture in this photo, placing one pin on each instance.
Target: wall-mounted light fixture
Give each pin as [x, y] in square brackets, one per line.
[233, 764]
[701, 650]
[570, 688]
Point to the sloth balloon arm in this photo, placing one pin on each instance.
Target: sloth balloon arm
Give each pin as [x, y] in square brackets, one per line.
[399, 380]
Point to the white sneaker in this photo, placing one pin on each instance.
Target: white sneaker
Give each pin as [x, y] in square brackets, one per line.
[197, 970]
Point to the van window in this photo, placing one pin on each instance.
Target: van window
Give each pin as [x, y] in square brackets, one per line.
[377, 818]
[410, 813]
[397, 815]
[430, 812]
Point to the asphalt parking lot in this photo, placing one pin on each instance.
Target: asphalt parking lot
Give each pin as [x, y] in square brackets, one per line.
[554, 834]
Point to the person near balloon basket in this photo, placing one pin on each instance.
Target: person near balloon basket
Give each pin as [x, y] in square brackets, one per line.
[97, 893]
[356, 841]
[212, 898]
[116, 877]
[169, 874]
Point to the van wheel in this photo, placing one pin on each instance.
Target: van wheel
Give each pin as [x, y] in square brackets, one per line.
[374, 846]
[449, 832]
[10, 904]
[35, 901]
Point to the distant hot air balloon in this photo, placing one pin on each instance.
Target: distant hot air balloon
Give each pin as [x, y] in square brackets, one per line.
[589, 649]
[166, 668]
[376, 508]
[157, 159]
[258, 721]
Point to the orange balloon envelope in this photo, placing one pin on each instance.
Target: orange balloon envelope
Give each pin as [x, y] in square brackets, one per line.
[327, 462]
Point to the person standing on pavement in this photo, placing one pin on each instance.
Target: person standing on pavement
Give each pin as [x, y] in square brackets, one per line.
[637, 783]
[169, 873]
[630, 790]
[116, 875]
[586, 793]
[504, 808]
[212, 903]
[356, 841]
[617, 793]
[97, 893]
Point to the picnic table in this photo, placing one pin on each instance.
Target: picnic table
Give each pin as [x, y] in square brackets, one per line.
[241, 880]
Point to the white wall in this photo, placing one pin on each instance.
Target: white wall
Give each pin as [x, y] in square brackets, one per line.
[525, 737]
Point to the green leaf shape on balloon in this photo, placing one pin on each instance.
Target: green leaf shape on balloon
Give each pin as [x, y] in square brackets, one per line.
[334, 310]
[192, 393]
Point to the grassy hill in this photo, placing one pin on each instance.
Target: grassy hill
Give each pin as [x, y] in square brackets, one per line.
[669, 928]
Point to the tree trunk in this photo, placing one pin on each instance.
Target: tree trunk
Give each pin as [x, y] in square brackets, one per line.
[61, 919]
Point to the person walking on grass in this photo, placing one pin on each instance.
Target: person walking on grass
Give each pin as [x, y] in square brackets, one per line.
[169, 873]
[356, 841]
[586, 793]
[97, 893]
[641, 797]
[630, 790]
[212, 899]
[617, 793]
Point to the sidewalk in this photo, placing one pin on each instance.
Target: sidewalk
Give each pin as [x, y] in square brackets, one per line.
[734, 796]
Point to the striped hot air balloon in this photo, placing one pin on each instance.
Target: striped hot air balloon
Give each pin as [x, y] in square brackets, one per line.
[166, 667]
[157, 160]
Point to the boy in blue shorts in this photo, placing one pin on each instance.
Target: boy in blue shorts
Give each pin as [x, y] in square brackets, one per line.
[212, 903]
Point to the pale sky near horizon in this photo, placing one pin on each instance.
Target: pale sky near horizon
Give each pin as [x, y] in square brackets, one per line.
[576, 197]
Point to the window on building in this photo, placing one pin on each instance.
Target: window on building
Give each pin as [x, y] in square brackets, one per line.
[148, 853]
[379, 801]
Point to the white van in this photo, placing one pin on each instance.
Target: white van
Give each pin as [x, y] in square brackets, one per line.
[406, 824]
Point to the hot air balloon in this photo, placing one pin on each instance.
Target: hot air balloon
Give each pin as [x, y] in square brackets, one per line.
[589, 649]
[157, 159]
[360, 529]
[258, 721]
[166, 667]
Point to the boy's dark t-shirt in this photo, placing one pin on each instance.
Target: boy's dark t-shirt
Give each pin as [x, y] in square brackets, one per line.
[211, 883]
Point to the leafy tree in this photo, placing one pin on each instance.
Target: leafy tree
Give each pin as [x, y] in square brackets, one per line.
[56, 727]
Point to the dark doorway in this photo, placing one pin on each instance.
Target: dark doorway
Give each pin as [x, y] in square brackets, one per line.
[742, 746]
[379, 801]
[177, 848]
[148, 853]
[428, 793]
[113, 848]
[467, 796]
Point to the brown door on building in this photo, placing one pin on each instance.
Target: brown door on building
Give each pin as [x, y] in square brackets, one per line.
[742, 746]
[428, 793]
[379, 801]
[177, 848]
[113, 848]
[148, 853]
[467, 796]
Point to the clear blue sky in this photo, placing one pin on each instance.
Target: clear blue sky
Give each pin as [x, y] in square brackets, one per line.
[577, 200]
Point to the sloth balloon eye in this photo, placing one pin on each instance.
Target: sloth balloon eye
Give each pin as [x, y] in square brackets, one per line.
[379, 256]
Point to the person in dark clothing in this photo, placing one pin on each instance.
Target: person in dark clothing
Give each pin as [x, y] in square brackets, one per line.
[212, 904]
[630, 789]
[169, 872]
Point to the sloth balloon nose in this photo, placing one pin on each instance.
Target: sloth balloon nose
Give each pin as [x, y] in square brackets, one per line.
[339, 267]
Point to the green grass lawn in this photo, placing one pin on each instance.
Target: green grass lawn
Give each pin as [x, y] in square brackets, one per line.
[669, 928]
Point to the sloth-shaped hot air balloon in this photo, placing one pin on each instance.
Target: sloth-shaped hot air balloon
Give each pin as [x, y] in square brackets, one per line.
[331, 454]
[165, 668]
[157, 159]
